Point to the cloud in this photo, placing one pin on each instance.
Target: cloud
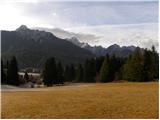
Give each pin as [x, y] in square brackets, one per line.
[144, 35]
[75, 14]
[40, 1]
[124, 23]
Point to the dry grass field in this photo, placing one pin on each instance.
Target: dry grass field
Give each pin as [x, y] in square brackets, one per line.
[112, 100]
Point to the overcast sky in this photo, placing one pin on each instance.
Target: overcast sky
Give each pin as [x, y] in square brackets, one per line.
[41, 13]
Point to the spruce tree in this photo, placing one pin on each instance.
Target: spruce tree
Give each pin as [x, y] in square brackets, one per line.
[155, 58]
[133, 69]
[89, 71]
[114, 66]
[67, 73]
[85, 72]
[105, 70]
[147, 65]
[3, 75]
[72, 72]
[60, 73]
[50, 72]
[12, 72]
[98, 63]
[79, 73]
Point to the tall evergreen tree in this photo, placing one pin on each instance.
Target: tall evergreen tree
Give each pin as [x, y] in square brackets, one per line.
[60, 73]
[89, 71]
[116, 64]
[66, 73]
[79, 73]
[98, 63]
[72, 72]
[147, 65]
[105, 70]
[133, 69]
[50, 72]
[12, 72]
[3, 75]
[155, 57]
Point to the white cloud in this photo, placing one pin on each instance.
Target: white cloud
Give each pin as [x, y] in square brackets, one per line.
[97, 18]
[74, 14]
[38, 1]
[143, 35]
[12, 16]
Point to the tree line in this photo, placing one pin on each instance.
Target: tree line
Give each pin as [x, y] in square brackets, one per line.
[9, 72]
[142, 65]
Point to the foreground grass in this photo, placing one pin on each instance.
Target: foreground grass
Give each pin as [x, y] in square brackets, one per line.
[112, 100]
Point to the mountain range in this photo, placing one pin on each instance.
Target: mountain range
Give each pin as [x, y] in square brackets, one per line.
[32, 47]
[78, 38]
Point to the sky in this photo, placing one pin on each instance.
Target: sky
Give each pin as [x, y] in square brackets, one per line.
[123, 22]
[42, 13]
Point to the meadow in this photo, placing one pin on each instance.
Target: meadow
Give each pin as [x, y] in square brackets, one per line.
[95, 100]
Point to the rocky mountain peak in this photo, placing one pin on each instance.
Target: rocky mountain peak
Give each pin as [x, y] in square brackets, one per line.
[22, 27]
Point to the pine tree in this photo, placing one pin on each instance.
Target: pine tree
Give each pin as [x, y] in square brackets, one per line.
[133, 69]
[3, 75]
[50, 72]
[60, 73]
[69, 73]
[147, 65]
[66, 73]
[114, 66]
[155, 58]
[72, 72]
[86, 69]
[119, 74]
[79, 73]
[105, 70]
[98, 63]
[89, 71]
[12, 72]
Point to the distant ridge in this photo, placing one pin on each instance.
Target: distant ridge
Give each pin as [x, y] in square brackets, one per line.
[33, 47]
[123, 51]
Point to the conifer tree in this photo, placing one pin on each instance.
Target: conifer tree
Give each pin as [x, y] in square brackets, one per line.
[105, 70]
[147, 65]
[98, 63]
[69, 73]
[155, 58]
[89, 71]
[50, 72]
[60, 73]
[66, 70]
[3, 75]
[79, 73]
[133, 69]
[72, 72]
[12, 72]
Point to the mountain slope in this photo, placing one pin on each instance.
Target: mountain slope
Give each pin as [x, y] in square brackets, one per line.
[79, 38]
[33, 47]
[123, 51]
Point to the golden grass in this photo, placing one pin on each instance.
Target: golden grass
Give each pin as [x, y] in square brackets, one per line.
[112, 100]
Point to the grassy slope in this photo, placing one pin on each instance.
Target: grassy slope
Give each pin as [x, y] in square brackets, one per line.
[112, 100]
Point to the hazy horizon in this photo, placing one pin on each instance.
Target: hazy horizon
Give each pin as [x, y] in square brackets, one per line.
[121, 22]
